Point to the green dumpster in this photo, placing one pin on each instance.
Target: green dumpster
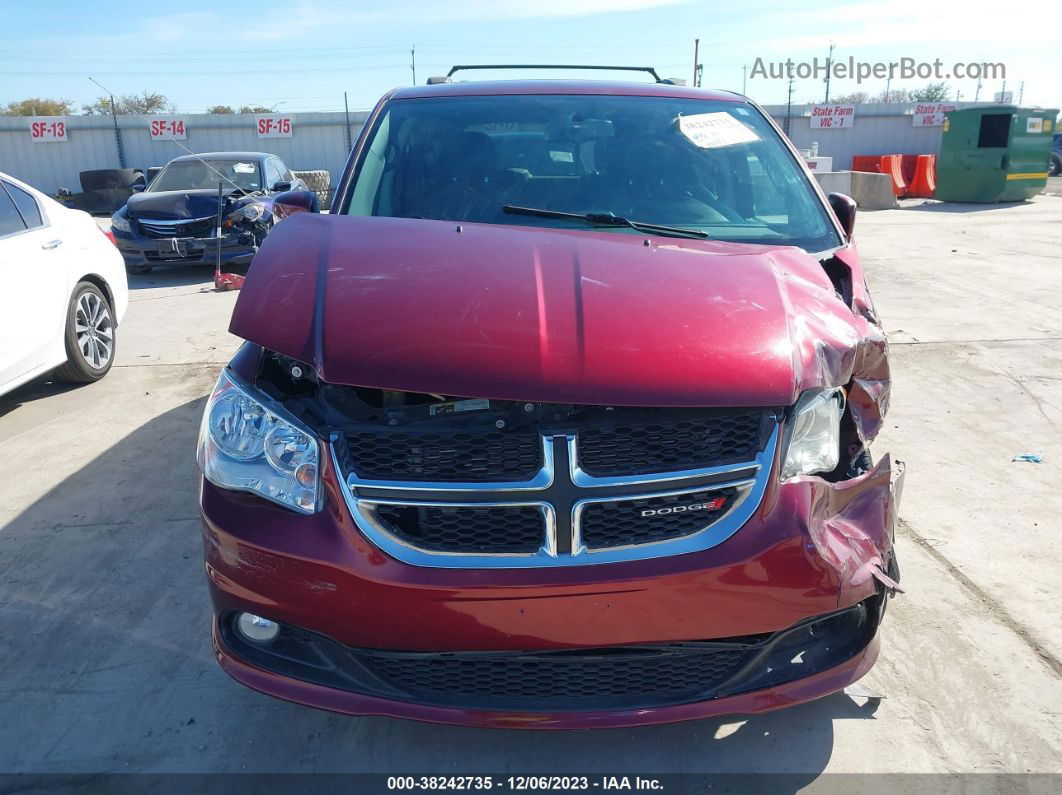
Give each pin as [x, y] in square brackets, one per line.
[994, 153]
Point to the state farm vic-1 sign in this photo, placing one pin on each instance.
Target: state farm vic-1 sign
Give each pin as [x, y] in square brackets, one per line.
[832, 117]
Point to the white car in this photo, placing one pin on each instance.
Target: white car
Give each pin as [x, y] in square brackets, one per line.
[64, 289]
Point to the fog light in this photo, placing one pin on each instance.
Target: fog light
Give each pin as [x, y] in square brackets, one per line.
[257, 629]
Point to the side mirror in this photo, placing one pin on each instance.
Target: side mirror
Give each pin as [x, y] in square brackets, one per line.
[844, 207]
[282, 185]
[138, 187]
[295, 201]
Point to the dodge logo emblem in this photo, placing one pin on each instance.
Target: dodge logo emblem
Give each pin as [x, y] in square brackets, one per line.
[713, 504]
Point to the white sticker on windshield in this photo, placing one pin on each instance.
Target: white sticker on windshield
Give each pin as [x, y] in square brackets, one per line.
[713, 130]
[561, 157]
[243, 168]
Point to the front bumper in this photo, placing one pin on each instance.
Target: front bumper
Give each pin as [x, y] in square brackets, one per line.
[832, 662]
[139, 250]
[810, 549]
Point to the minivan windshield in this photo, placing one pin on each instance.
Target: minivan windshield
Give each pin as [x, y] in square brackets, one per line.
[713, 166]
[198, 174]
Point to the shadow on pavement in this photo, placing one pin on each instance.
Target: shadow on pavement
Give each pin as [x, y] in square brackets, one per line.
[105, 650]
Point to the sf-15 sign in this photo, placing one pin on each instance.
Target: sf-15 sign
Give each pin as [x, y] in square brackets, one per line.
[167, 129]
[273, 126]
[44, 129]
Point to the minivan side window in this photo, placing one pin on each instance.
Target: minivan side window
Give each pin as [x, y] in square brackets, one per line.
[10, 220]
[27, 205]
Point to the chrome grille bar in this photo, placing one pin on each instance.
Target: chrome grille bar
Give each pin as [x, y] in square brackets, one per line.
[562, 498]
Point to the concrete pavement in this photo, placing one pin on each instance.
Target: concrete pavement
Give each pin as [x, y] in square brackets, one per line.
[104, 613]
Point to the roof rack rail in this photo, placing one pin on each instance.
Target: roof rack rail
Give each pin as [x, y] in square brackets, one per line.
[461, 68]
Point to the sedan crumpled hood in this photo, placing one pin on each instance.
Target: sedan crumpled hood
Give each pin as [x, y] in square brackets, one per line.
[526, 313]
[175, 204]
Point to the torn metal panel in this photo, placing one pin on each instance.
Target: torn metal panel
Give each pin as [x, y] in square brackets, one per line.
[852, 523]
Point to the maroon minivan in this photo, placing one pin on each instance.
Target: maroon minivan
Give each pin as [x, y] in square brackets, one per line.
[559, 418]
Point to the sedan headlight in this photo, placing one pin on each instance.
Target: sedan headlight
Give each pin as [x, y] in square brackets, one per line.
[120, 222]
[815, 433]
[252, 211]
[246, 444]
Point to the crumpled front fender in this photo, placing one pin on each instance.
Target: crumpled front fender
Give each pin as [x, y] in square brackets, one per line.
[852, 523]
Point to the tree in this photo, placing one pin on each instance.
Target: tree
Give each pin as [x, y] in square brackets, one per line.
[934, 92]
[37, 106]
[220, 109]
[255, 109]
[895, 95]
[855, 98]
[131, 104]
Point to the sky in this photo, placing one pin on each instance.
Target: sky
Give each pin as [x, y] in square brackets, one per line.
[302, 55]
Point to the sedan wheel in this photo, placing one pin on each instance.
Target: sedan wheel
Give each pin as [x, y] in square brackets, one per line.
[90, 336]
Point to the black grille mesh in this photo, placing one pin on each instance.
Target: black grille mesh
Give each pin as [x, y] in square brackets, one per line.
[662, 675]
[447, 457]
[617, 524]
[150, 228]
[660, 446]
[501, 529]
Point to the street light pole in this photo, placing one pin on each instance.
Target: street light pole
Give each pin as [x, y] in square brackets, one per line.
[696, 50]
[117, 132]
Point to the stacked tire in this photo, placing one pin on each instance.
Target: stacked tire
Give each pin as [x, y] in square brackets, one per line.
[105, 190]
[320, 183]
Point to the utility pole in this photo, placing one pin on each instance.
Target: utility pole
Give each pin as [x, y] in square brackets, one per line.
[117, 132]
[1021, 91]
[744, 77]
[413, 62]
[888, 82]
[958, 95]
[700, 75]
[788, 108]
[977, 93]
[696, 52]
[1003, 92]
[829, 64]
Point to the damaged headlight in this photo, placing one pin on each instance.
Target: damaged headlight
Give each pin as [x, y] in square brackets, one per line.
[120, 222]
[814, 433]
[252, 211]
[246, 445]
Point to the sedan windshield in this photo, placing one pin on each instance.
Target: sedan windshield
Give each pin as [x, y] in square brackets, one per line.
[198, 174]
[707, 165]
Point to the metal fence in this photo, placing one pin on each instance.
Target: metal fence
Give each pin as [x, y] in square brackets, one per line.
[878, 129]
[320, 140]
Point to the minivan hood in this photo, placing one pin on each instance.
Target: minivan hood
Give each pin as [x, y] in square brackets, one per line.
[539, 314]
[174, 204]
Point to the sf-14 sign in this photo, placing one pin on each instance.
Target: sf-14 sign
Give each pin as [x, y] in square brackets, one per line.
[167, 129]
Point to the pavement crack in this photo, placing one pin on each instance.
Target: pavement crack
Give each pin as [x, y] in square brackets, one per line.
[973, 342]
[994, 608]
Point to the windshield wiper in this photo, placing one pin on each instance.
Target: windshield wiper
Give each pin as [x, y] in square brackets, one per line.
[605, 219]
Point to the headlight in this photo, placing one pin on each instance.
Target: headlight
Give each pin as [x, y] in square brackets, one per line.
[815, 433]
[251, 211]
[120, 222]
[247, 445]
